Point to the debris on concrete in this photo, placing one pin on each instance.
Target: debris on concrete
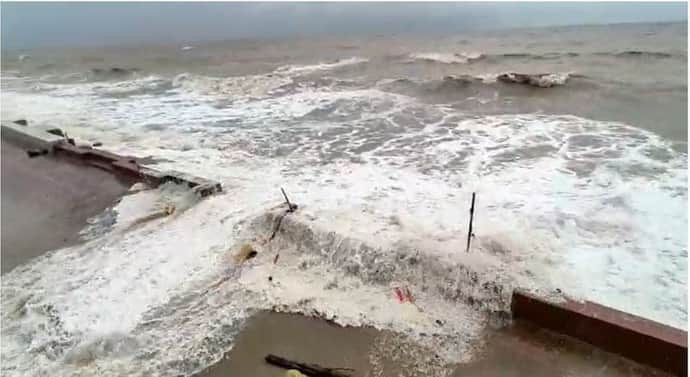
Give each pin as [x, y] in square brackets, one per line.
[36, 152]
[97, 144]
[56, 132]
[139, 186]
[168, 210]
[313, 370]
[294, 373]
[403, 295]
[247, 252]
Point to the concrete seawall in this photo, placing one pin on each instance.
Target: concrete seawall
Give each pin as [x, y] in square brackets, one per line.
[120, 165]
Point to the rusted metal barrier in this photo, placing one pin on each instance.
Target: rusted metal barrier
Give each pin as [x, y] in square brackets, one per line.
[636, 338]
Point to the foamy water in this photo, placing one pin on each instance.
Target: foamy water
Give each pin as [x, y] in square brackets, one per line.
[596, 209]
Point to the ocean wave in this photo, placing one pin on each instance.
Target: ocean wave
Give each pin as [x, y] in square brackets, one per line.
[497, 57]
[253, 86]
[467, 57]
[638, 54]
[464, 82]
[446, 58]
[310, 68]
[542, 80]
[98, 74]
[534, 56]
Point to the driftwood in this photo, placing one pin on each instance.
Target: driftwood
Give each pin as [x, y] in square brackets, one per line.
[312, 370]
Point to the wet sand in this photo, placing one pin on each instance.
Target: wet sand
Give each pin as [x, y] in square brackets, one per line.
[46, 201]
[518, 350]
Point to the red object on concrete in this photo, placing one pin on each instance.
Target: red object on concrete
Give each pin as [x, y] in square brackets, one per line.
[636, 338]
[399, 295]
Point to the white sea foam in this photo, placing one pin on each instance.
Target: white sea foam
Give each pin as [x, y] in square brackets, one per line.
[310, 68]
[538, 80]
[597, 209]
[447, 58]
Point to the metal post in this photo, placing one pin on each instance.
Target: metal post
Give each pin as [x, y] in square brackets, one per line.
[291, 207]
[469, 232]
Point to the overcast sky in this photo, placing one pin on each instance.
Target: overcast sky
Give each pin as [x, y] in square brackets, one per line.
[31, 25]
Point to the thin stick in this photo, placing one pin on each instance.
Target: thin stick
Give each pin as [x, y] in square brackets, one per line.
[469, 232]
[291, 207]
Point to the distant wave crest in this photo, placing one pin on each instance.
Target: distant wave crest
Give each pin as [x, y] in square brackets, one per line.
[446, 58]
[542, 80]
[461, 82]
[305, 69]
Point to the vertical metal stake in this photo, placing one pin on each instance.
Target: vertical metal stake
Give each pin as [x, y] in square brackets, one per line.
[469, 232]
[291, 207]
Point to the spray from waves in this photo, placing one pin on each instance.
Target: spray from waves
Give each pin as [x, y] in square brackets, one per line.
[446, 58]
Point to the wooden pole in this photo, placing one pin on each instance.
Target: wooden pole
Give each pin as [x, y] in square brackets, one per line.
[469, 232]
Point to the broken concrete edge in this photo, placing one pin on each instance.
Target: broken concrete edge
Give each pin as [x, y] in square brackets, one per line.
[29, 137]
[41, 138]
[639, 339]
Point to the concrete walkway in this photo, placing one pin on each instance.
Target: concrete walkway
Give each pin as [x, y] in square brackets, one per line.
[46, 201]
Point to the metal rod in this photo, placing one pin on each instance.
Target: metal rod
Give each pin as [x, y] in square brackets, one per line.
[469, 232]
[291, 207]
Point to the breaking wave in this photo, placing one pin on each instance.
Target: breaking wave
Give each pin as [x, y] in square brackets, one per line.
[543, 80]
[466, 83]
[311, 68]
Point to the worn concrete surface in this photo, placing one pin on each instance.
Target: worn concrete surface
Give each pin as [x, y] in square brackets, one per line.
[523, 349]
[518, 350]
[46, 200]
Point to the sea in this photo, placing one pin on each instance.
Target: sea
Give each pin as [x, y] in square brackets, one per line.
[573, 139]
